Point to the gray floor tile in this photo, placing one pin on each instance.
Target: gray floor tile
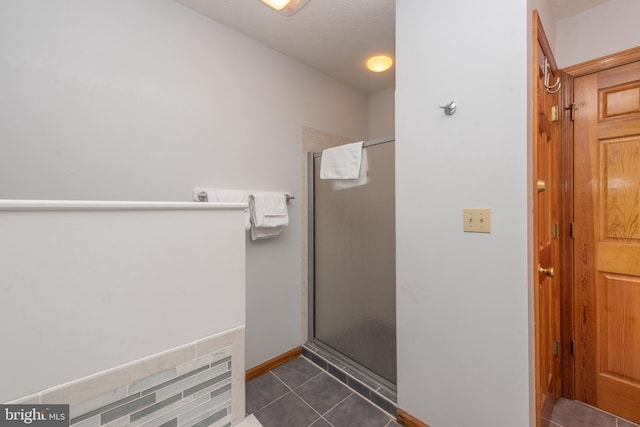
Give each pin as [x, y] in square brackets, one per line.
[624, 423]
[321, 423]
[296, 372]
[288, 411]
[393, 424]
[263, 390]
[357, 412]
[323, 392]
[569, 413]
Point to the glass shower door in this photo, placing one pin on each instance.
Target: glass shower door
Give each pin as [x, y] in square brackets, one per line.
[354, 280]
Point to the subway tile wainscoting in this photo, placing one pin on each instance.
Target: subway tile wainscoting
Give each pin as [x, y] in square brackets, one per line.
[300, 394]
[192, 385]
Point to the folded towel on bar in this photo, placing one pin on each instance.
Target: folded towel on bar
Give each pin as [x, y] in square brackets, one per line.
[230, 196]
[264, 233]
[341, 162]
[268, 211]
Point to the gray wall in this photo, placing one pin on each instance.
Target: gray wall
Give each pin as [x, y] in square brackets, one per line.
[462, 298]
[144, 100]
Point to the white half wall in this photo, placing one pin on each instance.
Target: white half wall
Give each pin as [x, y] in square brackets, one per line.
[608, 28]
[145, 100]
[90, 286]
[462, 298]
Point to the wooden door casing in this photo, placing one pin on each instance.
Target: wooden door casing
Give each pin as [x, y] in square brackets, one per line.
[607, 239]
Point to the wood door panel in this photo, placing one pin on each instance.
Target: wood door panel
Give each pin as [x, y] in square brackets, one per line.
[620, 101]
[545, 220]
[609, 129]
[620, 174]
[619, 314]
[619, 258]
[618, 396]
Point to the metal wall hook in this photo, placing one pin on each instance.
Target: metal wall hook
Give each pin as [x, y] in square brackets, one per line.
[554, 88]
[449, 109]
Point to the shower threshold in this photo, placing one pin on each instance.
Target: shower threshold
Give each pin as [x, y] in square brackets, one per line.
[368, 384]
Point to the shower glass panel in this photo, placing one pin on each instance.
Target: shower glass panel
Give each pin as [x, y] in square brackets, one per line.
[354, 263]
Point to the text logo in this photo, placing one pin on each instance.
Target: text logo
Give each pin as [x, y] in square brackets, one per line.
[34, 415]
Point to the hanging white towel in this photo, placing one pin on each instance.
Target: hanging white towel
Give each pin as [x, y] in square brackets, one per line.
[362, 179]
[264, 233]
[342, 162]
[269, 214]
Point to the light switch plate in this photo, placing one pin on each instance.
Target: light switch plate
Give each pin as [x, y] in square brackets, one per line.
[477, 220]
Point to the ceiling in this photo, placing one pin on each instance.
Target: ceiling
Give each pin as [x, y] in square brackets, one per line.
[333, 36]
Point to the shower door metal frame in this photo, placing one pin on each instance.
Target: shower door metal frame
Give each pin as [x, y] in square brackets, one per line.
[311, 272]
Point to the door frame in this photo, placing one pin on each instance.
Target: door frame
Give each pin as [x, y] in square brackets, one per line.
[566, 140]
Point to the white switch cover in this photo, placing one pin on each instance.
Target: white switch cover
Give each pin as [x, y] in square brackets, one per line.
[477, 220]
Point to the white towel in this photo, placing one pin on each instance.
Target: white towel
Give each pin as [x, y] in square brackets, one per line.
[228, 196]
[342, 162]
[269, 214]
[363, 177]
[264, 233]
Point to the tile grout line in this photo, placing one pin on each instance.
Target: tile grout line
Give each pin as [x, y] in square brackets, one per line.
[287, 385]
[330, 409]
[354, 391]
[321, 416]
[291, 390]
[307, 403]
[378, 390]
[276, 399]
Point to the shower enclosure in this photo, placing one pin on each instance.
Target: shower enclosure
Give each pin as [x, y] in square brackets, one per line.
[352, 264]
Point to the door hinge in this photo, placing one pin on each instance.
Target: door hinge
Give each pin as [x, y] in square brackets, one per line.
[556, 347]
[573, 109]
[554, 230]
[572, 230]
[573, 348]
[554, 113]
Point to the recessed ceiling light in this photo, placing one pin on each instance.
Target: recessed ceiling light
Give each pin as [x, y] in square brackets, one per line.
[379, 63]
[285, 7]
[276, 4]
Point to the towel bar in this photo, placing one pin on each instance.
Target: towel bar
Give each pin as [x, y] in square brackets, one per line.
[202, 197]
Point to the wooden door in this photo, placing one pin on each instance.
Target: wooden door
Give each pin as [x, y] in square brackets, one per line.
[607, 241]
[546, 208]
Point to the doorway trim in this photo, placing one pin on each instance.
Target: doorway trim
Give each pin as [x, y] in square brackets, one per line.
[603, 63]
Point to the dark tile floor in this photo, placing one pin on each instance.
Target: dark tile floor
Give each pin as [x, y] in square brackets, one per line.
[571, 413]
[299, 394]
